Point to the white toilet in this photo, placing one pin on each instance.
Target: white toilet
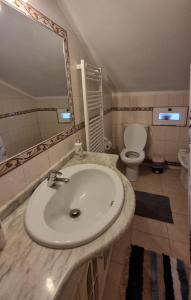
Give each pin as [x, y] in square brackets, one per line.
[135, 138]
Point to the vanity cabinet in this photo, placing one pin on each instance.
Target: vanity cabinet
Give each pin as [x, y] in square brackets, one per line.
[93, 284]
[88, 282]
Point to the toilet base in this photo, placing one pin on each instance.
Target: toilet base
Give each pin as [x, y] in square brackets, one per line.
[132, 172]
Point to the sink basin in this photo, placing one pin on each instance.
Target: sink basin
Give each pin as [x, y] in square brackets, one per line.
[75, 213]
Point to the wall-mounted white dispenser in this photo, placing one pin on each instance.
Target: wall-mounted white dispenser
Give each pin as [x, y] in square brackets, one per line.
[170, 116]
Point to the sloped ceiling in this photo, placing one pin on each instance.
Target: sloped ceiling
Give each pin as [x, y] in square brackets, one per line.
[143, 44]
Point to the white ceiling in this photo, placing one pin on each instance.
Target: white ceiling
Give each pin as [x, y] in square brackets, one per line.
[143, 44]
[31, 56]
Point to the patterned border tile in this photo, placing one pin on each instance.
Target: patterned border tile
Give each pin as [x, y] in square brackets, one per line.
[18, 160]
[27, 111]
[132, 109]
[108, 110]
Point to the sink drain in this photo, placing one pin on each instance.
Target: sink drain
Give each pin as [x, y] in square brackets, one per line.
[74, 213]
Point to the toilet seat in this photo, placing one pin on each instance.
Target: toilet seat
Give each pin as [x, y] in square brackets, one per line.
[131, 156]
[135, 137]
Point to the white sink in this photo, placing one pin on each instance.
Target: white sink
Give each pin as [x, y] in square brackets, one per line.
[94, 193]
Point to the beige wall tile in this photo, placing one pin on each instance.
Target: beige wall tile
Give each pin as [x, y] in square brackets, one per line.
[35, 167]
[121, 100]
[161, 100]
[78, 109]
[11, 184]
[143, 117]
[183, 135]
[142, 100]
[185, 99]
[108, 126]
[175, 99]
[171, 151]
[60, 150]
[157, 147]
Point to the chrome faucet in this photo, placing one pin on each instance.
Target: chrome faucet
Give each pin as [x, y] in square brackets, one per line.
[53, 178]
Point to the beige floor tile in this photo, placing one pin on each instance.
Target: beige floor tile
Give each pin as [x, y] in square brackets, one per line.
[173, 186]
[150, 226]
[179, 231]
[178, 204]
[151, 242]
[171, 239]
[149, 188]
[180, 220]
[181, 251]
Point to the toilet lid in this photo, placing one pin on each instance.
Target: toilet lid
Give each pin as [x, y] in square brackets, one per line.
[135, 137]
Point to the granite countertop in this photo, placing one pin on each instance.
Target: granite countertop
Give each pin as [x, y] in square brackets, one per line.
[30, 271]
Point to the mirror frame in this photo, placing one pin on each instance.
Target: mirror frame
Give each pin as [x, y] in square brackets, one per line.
[19, 159]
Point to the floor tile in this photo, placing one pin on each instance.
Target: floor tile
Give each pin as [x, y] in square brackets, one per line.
[161, 237]
[179, 230]
[150, 226]
[178, 204]
[151, 242]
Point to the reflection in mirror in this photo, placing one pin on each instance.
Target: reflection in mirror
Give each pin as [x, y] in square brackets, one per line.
[33, 83]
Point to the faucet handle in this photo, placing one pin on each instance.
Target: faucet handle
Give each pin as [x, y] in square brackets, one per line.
[53, 174]
[57, 173]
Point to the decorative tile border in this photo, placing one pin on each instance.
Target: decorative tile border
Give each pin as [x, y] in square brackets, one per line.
[132, 108]
[19, 159]
[27, 111]
[31, 12]
[107, 111]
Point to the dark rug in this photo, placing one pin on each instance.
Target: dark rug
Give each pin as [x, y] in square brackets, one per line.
[153, 206]
[154, 276]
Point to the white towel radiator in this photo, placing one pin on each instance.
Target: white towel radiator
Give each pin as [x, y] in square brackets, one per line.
[93, 106]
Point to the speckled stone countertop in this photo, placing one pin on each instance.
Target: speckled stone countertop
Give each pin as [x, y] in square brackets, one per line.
[30, 271]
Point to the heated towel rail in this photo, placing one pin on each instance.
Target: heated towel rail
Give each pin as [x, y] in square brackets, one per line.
[93, 106]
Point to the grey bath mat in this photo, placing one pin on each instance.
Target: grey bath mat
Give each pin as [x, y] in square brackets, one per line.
[153, 206]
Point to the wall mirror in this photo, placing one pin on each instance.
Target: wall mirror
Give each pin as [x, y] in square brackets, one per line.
[35, 82]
